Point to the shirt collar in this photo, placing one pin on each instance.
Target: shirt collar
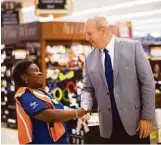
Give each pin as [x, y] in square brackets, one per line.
[110, 45]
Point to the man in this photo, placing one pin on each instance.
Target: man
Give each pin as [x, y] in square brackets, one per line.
[119, 75]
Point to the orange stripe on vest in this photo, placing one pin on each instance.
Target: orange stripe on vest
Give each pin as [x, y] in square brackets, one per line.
[25, 124]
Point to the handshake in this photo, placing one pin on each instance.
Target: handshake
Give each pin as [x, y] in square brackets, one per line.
[83, 116]
[81, 113]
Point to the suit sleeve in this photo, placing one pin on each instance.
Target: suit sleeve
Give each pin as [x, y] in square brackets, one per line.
[88, 93]
[147, 83]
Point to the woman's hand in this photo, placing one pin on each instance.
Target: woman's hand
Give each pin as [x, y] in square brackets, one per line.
[81, 112]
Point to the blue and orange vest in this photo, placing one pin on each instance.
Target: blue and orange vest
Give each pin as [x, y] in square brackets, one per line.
[24, 123]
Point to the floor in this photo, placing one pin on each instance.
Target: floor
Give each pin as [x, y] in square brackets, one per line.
[9, 136]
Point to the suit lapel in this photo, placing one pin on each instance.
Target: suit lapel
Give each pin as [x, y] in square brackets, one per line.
[117, 54]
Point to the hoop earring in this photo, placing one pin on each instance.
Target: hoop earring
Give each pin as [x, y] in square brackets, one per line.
[26, 82]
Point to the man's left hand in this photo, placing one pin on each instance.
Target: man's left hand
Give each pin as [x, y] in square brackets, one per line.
[144, 128]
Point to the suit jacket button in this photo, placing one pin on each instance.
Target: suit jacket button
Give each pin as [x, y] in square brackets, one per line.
[109, 109]
[121, 108]
[108, 93]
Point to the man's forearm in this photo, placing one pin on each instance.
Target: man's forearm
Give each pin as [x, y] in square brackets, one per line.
[87, 99]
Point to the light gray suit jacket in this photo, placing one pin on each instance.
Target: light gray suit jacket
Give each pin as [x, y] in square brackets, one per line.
[134, 87]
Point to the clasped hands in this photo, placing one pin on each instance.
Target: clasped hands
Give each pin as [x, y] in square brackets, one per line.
[81, 122]
[83, 115]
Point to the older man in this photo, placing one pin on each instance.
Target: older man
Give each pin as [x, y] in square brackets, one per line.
[119, 75]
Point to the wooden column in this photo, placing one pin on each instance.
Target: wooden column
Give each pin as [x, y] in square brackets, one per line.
[43, 63]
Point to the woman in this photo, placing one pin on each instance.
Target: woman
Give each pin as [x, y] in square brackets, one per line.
[40, 117]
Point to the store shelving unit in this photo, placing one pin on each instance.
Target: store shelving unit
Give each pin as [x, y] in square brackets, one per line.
[10, 55]
[153, 52]
[152, 47]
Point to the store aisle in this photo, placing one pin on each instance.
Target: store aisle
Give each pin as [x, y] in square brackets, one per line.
[9, 136]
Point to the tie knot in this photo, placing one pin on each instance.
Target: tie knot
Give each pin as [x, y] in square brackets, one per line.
[105, 50]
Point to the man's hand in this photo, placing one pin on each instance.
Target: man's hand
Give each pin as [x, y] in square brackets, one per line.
[144, 128]
[86, 117]
[81, 123]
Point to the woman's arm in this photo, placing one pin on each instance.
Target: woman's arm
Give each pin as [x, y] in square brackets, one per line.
[49, 115]
[38, 109]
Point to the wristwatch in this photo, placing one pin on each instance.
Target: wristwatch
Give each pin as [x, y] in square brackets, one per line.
[86, 108]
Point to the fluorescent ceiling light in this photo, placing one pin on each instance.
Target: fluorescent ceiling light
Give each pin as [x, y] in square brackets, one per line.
[133, 15]
[116, 18]
[148, 27]
[113, 7]
[146, 22]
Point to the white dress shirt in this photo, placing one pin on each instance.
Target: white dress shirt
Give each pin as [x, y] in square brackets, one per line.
[110, 48]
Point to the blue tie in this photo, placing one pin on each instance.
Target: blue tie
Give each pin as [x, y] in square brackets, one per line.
[110, 82]
[108, 71]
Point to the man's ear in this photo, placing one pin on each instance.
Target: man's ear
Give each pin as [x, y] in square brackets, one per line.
[103, 30]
